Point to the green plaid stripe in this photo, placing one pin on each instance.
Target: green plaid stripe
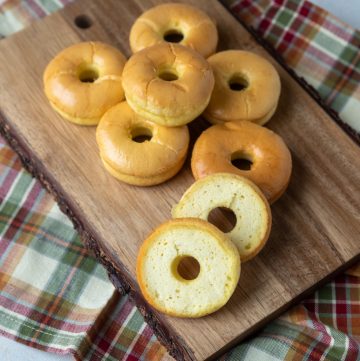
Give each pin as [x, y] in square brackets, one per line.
[52, 292]
[137, 339]
[323, 327]
[321, 49]
[43, 263]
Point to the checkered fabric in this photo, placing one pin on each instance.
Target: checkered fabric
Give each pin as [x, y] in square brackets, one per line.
[55, 297]
[318, 46]
[325, 326]
[53, 294]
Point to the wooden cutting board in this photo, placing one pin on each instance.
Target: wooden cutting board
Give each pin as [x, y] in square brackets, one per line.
[316, 223]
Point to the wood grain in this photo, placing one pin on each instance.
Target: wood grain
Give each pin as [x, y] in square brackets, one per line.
[316, 223]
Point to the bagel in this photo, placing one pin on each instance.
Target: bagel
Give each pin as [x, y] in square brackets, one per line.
[159, 157]
[84, 80]
[168, 287]
[168, 84]
[268, 157]
[247, 87]
[177, 23]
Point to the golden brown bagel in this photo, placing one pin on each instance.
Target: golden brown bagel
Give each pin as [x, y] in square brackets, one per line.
[147, 163]
[221, 144]
[160, 278]
[84, 80]
[247, 87]
[168, 84]
[179, 23]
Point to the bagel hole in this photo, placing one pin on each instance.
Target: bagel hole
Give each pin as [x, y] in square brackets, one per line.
[223, 218]
[238, 83]
[173, 36]
[83, 22]
[168, 75]
[141, 135]
[188, 267]
[241, 161]
[88, 74]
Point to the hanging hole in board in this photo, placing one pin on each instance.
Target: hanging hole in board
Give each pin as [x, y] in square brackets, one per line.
[83, 21]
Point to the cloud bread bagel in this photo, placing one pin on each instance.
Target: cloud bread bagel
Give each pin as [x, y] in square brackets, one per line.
[268, 155]
[150, 162]
[252, 211]
[178, 23]
[163, 281]
[168, 84]
[84, 80]
[247, 87]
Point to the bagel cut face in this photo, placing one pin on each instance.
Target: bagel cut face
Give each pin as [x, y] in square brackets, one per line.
[166, 276]
[242, 197]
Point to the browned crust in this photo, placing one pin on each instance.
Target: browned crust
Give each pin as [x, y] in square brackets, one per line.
[152, 15]
[180, 101]
[78, 111]
[216, 137]
[117, 273]
[142, 181]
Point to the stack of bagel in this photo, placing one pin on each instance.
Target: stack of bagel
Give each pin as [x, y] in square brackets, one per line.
[142, 106]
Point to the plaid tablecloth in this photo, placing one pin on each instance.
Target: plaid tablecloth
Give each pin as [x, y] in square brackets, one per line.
[55, 297]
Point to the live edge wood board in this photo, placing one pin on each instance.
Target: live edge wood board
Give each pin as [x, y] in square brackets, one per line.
[316, 223]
